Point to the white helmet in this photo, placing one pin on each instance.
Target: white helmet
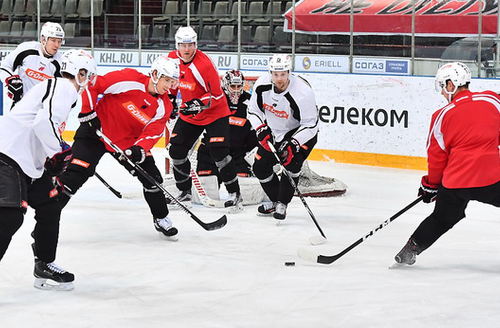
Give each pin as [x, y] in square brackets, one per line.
[51, 30]
[75, 60]
[165, 66]
[186, 34]
[458, 73]
[280, 62]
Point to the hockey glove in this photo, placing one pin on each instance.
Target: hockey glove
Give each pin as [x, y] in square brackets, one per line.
[427, 191]
[264, 135]
[90, 122]
[137, 154]
[56, 165]
[192, 107]
[14, 87]
[175, 108]
[287, 150]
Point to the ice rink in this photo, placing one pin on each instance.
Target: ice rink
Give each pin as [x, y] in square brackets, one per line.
[127, 276]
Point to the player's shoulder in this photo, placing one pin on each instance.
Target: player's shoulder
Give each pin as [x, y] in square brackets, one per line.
[29, 45]
[263, 80]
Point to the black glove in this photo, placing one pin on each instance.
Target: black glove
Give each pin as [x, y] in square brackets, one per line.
[264, 135]
[192, 107]
[427, 191]
[90, 122]
[175, 108]
[288, 149]
[137, 154]
[14, 87]
[56, 165]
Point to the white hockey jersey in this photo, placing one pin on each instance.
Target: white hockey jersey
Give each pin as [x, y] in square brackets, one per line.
[294, 108]
[31, 65]
[32, 133]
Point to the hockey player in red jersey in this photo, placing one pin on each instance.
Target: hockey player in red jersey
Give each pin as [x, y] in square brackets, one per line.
[462, 155]
[133, 113]
[33, 62]
[283, 112]
[204, 108]
[32, 152]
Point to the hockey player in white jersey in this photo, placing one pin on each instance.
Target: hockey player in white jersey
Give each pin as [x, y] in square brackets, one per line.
[33, 61]
[32, 156]
[283, 112]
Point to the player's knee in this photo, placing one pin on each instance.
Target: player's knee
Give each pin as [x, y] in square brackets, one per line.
[49, 212]
[219, 154]
[178, 151]
[11, 220]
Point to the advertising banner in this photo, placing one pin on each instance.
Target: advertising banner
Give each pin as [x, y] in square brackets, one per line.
[433, 17]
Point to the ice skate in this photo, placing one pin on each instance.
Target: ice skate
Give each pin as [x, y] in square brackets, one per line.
[280, 212]
[407, 255]
[166, 228]
[234, 202]
[266, 209]
[49, 276]
[184, 197]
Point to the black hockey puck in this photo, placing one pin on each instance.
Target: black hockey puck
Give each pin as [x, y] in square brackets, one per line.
[289, 263]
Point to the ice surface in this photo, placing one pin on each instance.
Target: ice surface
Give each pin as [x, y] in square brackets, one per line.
[127, 276]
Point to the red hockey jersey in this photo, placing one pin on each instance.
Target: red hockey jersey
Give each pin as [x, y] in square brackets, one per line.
[129, 114]
[463, 141]
[197, 78]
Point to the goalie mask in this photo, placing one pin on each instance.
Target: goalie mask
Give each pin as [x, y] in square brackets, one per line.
[232, 83]
[458, 73]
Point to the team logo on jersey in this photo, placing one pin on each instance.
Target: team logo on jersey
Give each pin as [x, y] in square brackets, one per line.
[37, 75]
[277, 113]
[136, 112]
[62, 127]
[238, 121]
[24, 204]
[187, 86]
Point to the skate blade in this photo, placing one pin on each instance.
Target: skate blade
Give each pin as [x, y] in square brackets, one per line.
[47, 284]
[235, 209]
[173, 238]
[264, 214]
[397, 265]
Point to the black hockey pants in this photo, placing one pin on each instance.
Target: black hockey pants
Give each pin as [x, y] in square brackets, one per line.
[86, 155]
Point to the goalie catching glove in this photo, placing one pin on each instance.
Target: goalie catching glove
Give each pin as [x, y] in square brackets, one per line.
[287, 150]
[14, 87]
[427, 191]
[58, 163]
[137, 154]
[192, 107]
[264, 135]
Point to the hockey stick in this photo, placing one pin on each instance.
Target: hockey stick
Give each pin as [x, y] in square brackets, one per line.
[324, 259]
[113, 190]
[313, 240]
[207, 226]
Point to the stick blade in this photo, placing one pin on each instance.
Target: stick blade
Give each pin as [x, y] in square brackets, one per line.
[317, 240]
[216, 224]
[307, 255]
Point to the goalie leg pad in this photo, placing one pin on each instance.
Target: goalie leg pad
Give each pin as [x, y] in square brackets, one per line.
[211, 187]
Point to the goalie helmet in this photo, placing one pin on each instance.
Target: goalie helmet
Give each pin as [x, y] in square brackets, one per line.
[75, 60]
[186, 34]
[165, 66]
[280, 62]
[232, 83]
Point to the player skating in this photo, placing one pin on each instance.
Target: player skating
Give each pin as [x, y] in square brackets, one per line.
[204, 108]
[31, 152]
[133, 113]
[462, 155]
[283, 112]
[33, 61]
